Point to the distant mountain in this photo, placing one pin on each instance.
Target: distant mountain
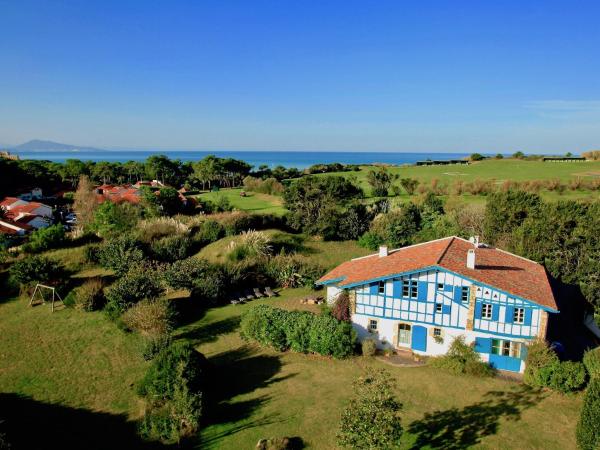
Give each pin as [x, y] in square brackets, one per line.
[39, 145]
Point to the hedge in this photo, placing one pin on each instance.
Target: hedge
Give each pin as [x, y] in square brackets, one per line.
[588, 428]
[300, 331]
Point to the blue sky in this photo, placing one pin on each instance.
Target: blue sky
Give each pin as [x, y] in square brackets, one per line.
[303, 75]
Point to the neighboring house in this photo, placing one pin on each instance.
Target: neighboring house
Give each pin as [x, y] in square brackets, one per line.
[423, 296]
[118, 194]
[23, 216]
[12, 228]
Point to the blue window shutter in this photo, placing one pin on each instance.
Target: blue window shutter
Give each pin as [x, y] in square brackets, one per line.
[446, 309]
[422, 291]
[457, 294]
[397, 288]
[483, 345]
[478, 310]
[528, 312]
[510, 314]
[374, 288]
[495, 312]
[448, 287]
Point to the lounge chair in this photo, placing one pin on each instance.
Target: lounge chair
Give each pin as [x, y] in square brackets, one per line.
[234, 302]
[249, 297]
[270, 292]
[242, 299]
[257, 293]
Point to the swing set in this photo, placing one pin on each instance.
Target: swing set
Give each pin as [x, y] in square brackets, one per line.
[39, 289]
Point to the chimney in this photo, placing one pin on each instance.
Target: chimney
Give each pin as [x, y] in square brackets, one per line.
[383, 251]
[471, 259]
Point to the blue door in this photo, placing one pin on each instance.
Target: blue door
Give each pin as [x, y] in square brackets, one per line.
[505, 363]
[419, 338]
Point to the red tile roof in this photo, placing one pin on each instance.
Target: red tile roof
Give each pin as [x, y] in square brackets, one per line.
[8, 201]
[27, 208]
[494, 267]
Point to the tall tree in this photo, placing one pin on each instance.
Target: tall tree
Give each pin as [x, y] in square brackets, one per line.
[380, 180]
[85, 204]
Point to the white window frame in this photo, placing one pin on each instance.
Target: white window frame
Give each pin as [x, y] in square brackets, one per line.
[506, 348]
[373, 329]
[486, 311]
[437, 332]
[440, 286]
[464, 294]
[519, 316]
[381, 287]
[439, 308]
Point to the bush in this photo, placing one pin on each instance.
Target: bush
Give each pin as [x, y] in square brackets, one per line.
[539, 355]
[368, 347]
[200, 277]
[268, 186]
[299, 330]
[341, 307]
[290, 271]
[173, 387]
[45, 239]
[91, 253]
[179, 363]
[171, 248]
[152, 229]
[150, 318]
[588, 427]
[591, 361]
[210, 231]
[137, 284]
[283, 443]
[154, 345]
[120, 254]
[370, 240]
[462, 358]
[36, 269]
[90, 295]
[567, 376]
[372, 419]
[252, 244]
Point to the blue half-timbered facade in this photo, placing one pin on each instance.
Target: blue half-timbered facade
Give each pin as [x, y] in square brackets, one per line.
[425, 308]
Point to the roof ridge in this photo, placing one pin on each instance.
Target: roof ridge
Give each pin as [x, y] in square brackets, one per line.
[445, 250]
[403, 248]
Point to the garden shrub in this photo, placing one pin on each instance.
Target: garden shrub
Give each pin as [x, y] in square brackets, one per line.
[120, 254]
[36, 269]
[341, 307]
[372, 419]
[283, 443]
[588, 427]
[566, 376]
[462, 358]
[210, 231]
[290, 271]
[173, 387]
[591, 360]
[370, 240]
[252, 244]
[137, 284]
[158, 227]
[368, 347]
[171, 248]
[45, 239]
[150, 318]
[203, 279]
[91, 253]
[154, 345]
[539, 355]
[90, 295]
[301, 331]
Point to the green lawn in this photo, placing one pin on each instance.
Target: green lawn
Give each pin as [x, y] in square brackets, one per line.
[263, 393]
[253, 202]
[498, 170]
[77, 371]
[327, 254]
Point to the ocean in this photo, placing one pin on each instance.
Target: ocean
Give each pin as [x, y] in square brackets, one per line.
[297, 159]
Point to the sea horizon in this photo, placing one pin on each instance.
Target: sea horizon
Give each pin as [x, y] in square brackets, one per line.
[287, 158]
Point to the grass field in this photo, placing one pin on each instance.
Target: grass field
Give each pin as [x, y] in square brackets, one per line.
[327, 254]
[253, 202]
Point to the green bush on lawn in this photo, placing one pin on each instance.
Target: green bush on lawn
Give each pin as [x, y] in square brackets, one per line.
[300, 331]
